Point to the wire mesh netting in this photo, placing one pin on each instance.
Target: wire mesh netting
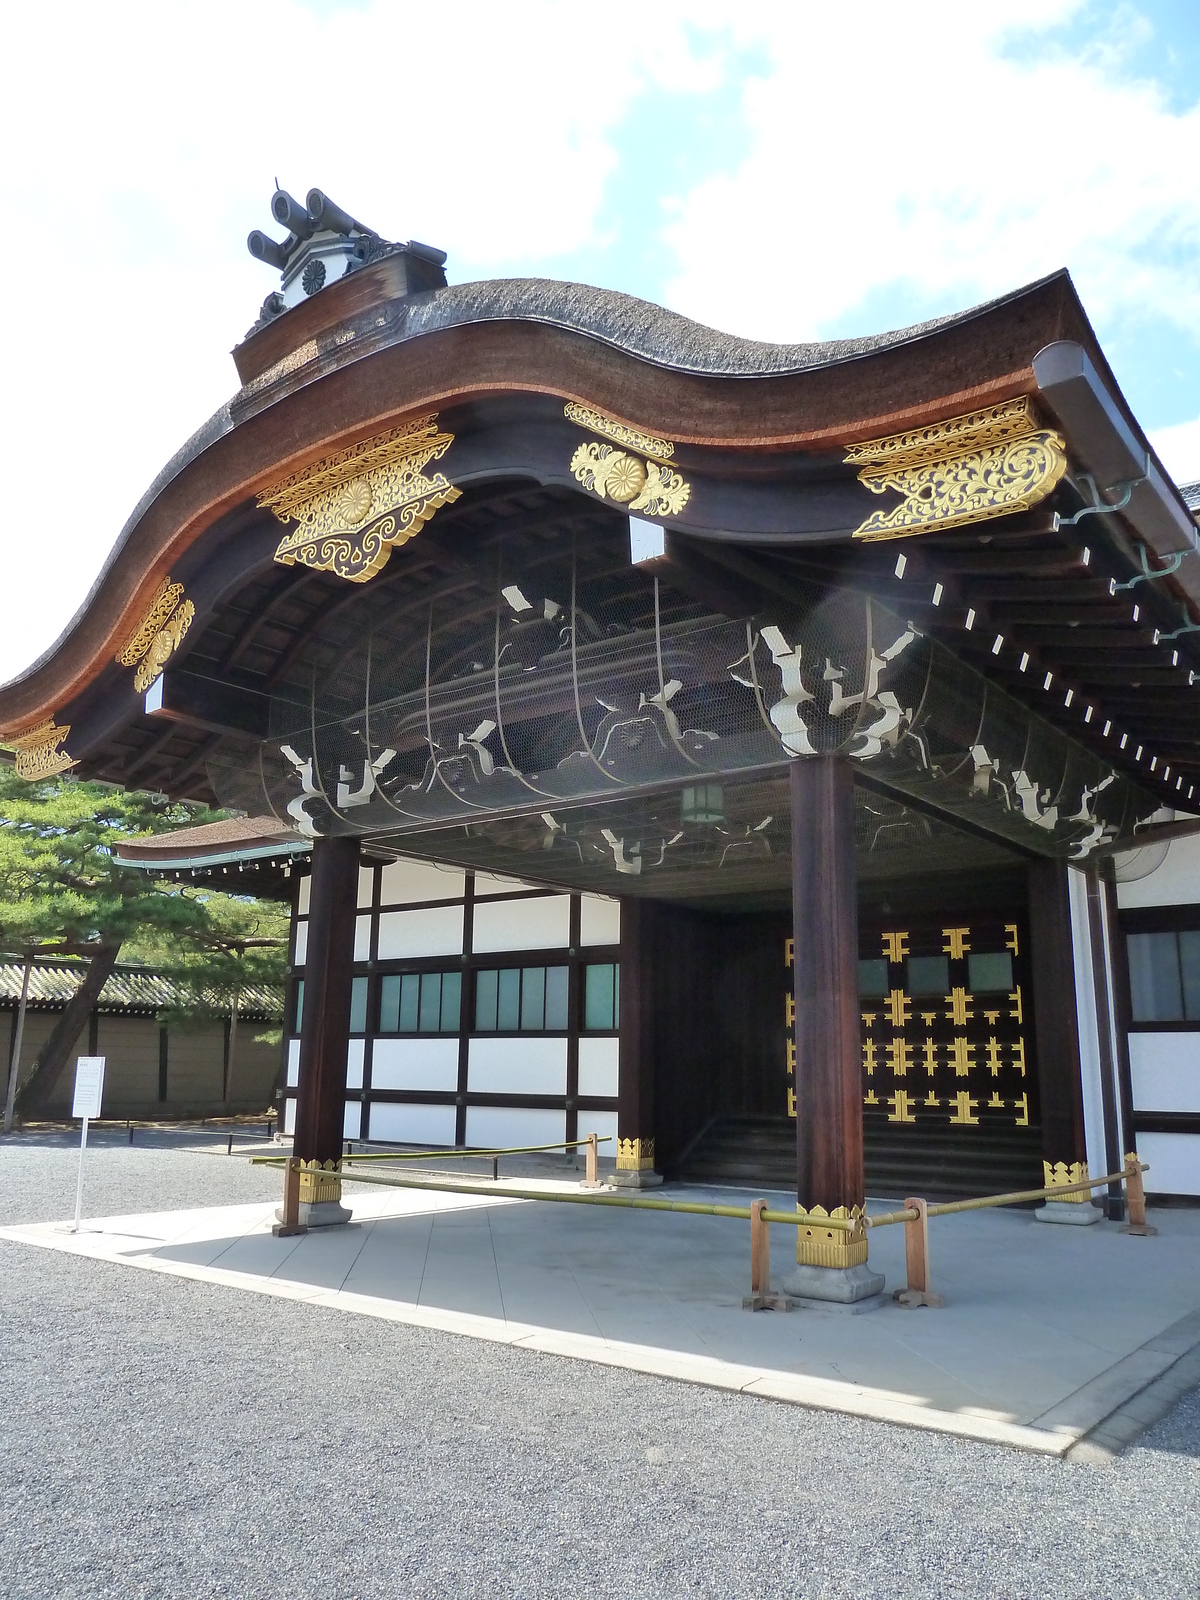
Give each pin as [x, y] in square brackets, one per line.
[564, 677]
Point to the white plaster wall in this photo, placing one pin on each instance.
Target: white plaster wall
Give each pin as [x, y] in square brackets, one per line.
[305, 891]
[293, 1066]
[409, 882]
[502, 1127]
[429, 1064]
[604, 1125]
[437, 931]
[1175, 883]
[599, 1061]
[362, 938]
[1165, 1071]
[354, 1063]
[301, 943]
[1174, 1160]
[289, 1115]
[352, 1121]
[532, 1065]
[599, 920]
[540, 924]
[366, 885]
[488, 883]
[420, 1125]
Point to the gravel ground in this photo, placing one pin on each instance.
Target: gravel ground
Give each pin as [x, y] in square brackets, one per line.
[161, 1437]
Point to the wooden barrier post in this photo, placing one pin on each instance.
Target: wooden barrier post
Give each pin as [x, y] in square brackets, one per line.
[591, 1177]
[1135, 1200]
[760, 1297]
[760, 1249]
[916, 1259]
[291, 1201]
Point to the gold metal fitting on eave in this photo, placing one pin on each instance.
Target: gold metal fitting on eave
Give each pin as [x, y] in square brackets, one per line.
[635, 1155]
[158, 634]
[353, 508]
[38, 752]
[966, 469]
[832, 1247]
[1062, 1172]
[647, 485]
[319, 1181]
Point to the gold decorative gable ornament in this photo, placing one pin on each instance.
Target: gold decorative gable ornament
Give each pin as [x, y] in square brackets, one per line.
[966, 469]
[354, 507]
[38, 753]
[648, 486]
[158, 635]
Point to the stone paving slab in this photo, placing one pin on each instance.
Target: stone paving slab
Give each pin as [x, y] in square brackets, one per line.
[1046, 1332]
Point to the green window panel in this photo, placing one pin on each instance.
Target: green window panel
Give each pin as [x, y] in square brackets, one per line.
[522, 1000]
[601, 997]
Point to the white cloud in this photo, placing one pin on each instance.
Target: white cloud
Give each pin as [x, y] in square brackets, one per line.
[1178, 449]
[148, 135]
[886, 144]
[899, 145]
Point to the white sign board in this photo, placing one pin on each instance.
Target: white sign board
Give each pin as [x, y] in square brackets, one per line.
[89, 1086]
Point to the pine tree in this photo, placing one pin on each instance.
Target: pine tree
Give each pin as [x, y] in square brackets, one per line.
[64, 892]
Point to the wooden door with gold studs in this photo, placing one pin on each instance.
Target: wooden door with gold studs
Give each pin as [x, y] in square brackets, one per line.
[949, 1079]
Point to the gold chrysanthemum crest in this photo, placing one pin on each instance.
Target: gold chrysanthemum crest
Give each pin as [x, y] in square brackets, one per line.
[643, 482]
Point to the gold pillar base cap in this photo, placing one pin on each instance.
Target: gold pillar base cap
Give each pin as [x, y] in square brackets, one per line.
[832, 1247]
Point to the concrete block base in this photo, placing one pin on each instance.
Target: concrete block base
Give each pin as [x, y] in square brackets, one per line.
[635, 1180]
[1068, 1212]
[321, 1214]
[839, 1308]
[842, 1286]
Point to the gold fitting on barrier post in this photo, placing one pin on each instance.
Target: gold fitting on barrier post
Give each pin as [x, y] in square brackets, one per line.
[760, 1297]
[291, 1201]
[916, 1259]
[832, 1247]
[1135, 1200]
[591, 1177]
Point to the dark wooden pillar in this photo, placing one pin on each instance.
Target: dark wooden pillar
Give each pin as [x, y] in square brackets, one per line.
[1056, 1022]
[829, 1135]
[328, 976]
[640, 956]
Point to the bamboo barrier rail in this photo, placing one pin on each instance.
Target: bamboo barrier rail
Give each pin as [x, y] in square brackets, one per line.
[512, 1191]
[450, 1155]
[915, 1214]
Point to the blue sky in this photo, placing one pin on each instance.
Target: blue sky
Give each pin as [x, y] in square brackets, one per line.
[780, 170]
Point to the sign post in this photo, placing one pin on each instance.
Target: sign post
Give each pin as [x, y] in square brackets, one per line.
[89, 1091]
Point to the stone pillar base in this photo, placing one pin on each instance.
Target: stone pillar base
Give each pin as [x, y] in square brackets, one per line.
[640, 1178]
[1070, 1212]
[837, 1286]
[320, 1213]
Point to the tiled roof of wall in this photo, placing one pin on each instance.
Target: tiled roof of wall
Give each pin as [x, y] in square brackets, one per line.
[128, 989]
